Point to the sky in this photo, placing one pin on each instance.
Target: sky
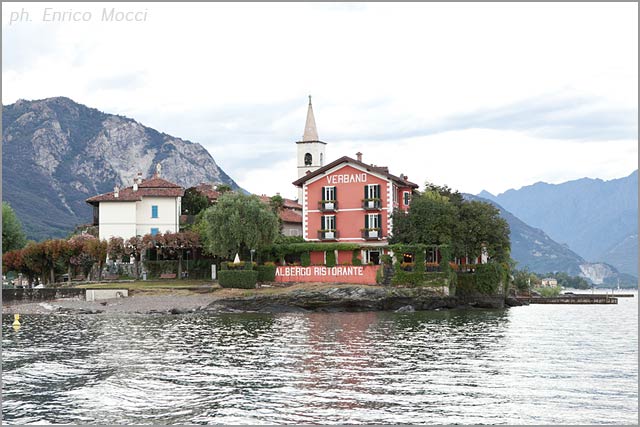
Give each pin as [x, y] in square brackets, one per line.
[475, 96]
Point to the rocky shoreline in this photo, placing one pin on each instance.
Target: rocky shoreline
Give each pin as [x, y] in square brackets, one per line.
[299, 298]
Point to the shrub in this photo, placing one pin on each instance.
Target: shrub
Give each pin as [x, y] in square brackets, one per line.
[419, 261]
[331, 259]
[266, 273]
[249, 265]
[243, 279]
[386, 259]
[445, 254]
[156, 268]
[355, 260]
[305, 259]
[415, 279]
[379, 276]
[488, 277]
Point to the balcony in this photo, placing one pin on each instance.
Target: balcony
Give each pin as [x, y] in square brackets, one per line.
[328, 205]
[371, 233]
[327, 235]
[372, 204]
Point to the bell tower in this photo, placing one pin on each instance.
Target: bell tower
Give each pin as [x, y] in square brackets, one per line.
[311, 151]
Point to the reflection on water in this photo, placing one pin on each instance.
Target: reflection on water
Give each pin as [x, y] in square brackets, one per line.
[537, 364]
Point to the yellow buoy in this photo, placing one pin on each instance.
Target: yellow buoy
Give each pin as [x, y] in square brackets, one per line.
[16, 320]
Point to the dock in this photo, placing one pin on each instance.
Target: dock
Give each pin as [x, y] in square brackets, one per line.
[572, 299]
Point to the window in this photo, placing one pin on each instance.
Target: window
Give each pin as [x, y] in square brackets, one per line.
[321, 159]
[395, 195]
[307, 159]
[328, 222]
[328, 193]
[373, 220]
[372, 255]
[154, 211]
[154, 231]
[372, 191]
[406, 198]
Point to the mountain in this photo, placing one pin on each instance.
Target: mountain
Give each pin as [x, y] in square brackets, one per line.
[533, 248]
[56, 153]
[597, 219]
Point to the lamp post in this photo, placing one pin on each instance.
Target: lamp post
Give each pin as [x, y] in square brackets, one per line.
[253, 251]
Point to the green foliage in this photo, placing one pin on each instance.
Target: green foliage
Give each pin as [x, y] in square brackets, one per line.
[379, 276]
[488, 278]
[355, 260]
[567, 281]
[549, 292]
[419, 261]
[12, 235]
[238, 222]
[417, 279]
[223, 188]
[440, 216]
[524, 279]
[445, 258]
[386, 259]
[194, 202]
[305, 259]
[156, 268]
[331, 258]
[266, 273]
[243, 279]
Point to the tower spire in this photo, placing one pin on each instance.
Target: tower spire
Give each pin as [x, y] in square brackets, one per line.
[310, 130]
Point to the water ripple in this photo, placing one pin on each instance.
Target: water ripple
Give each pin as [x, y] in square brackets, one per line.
[527, 365]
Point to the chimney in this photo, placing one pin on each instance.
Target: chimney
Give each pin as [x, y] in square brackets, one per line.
[359, 156]
[139, 178]
[116, 191]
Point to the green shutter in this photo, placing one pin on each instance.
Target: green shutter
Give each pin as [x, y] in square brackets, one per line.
[322, 227]
[378, 191]
[322, 193]
[366, 220]
[335, 193]
[366, 193]
[380, 221]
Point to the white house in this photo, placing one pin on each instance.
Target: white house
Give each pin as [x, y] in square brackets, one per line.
[150, 206]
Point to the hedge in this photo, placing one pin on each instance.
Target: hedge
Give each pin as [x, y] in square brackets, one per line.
[354, 258]
[266, 273]
[331, 259]
[156, 268]
[417, 278]
[305, 259]
[243, 279]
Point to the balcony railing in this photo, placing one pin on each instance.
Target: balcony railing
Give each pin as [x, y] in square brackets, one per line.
[328, 206]
[372, 204]
[372, 234]
[327, 234]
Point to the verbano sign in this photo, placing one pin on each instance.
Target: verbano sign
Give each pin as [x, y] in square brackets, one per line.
[347, 178]
[365, 274]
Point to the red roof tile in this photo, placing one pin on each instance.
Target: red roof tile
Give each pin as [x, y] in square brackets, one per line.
[289, 215]
[154, 187]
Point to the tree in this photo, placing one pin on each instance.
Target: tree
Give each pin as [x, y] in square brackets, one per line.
[178, 243]
[97, 250]
[238, 223]
[12, 235]
[134, 247]
[430, 220]
[223, 188]
[115, 248]
[277, 205]
[193, 202]
[479, 224]
[34, 258]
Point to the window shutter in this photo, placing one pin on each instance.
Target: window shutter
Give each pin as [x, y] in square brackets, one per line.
[380, 221]
[322, 223]
[378, 191]
[322, 193]
[366, 220]
[335, 193]
[366, 193]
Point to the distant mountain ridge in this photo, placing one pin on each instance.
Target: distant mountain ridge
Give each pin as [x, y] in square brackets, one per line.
[57, 153]
[534, 249]
[597, 219]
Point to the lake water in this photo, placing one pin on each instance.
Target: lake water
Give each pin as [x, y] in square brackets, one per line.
[541, 364]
